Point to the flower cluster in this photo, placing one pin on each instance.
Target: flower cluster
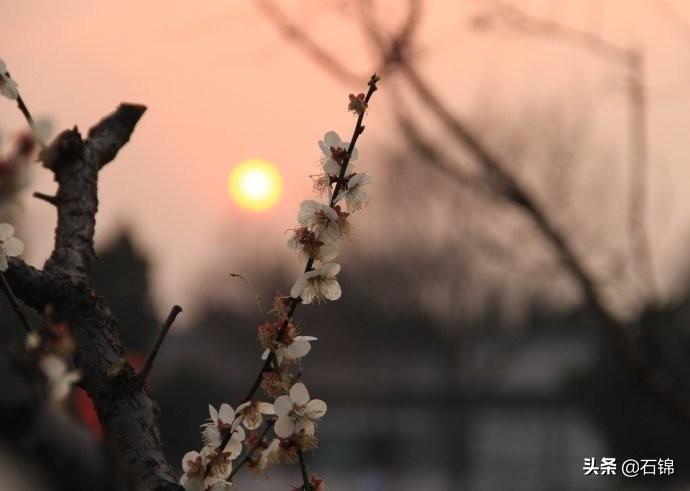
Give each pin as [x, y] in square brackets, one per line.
[294, 414]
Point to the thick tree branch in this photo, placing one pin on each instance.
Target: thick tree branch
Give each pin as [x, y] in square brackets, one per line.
[128, 415]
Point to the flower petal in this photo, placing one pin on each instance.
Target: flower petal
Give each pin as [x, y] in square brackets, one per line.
[284, 427]
[332, 139]
[328, 252]
[213, 413]
[282, 406]
[298, 288]
[329, 270]
[226, 414]
[315, 409]
[6, 231]
[265, 408]
[299, 394]
[13, 246]
[234, 448]
[189, 459]
[239, 434]
[298, 348]
[330, 289]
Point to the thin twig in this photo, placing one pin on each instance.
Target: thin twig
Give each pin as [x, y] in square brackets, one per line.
[29, 119]
[305, 475]
[174, 312]
[53, 200]
[7, 290]
[243, 276]
[250, 451]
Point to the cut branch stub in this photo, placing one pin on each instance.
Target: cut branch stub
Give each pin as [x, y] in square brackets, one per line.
[75, 163]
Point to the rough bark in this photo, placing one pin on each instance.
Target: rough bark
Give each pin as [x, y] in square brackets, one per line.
[128, 415]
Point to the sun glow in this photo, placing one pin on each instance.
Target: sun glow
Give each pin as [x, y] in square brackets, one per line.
[255, 184]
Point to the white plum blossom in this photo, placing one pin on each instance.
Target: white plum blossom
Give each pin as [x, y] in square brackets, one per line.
[194, 466]
[355, 195]
[60, 379]
[8, 87]
[10, 246]
[335, 149]
[205, 471]
[294, 350]
[321, 219]
[305, 241]
[252, 413]
[296, 412]
[222, 422]
[318, 284]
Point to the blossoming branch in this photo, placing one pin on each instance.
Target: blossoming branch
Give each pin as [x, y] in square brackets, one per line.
[293, 414]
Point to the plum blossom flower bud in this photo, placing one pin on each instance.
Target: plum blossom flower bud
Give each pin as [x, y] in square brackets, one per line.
[335, 151]
[357, 104]
[296, 412]
[354, 194]
[252, 413]
[8, 87]
[319, 284]
[10, 246]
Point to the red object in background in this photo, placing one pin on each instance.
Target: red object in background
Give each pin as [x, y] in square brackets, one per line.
[83, 405]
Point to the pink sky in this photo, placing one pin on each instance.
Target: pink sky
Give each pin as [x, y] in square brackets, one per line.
[222, 85]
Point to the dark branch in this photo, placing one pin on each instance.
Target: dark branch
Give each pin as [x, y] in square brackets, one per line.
[75, 163]
[7, 290]
[47, 198]
[174, 312]
[112, 133]
[129, 416]
[306, 486]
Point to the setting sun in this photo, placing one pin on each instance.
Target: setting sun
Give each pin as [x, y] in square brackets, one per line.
[255, 184]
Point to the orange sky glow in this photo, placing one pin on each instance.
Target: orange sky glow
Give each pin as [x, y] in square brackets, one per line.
[222, 86]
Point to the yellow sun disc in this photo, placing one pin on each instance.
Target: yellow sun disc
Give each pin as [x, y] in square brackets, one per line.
[255, 184]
